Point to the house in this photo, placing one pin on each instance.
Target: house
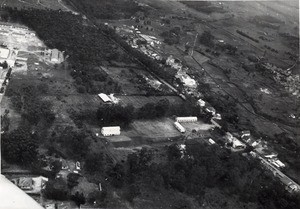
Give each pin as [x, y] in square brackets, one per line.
[186, 80]
[179, 127]
[237, 144]
[277, 163]
[210, 110]
[111, 131]
[4, 53]
[211, 141]
[201, 103]
[186, 119]
[104, 98]
[25, 183]
[213, 121]
[54, 55]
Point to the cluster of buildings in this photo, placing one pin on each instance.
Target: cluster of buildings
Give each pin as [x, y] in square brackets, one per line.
[285, 77]
[15, 31]
[31, 185]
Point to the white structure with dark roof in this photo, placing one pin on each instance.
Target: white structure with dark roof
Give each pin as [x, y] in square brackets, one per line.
[111, 131]
[186, 119]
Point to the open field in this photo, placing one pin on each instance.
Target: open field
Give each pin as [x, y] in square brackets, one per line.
[38, 4]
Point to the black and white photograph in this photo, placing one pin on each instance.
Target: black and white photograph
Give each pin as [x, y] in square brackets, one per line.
[149, 104]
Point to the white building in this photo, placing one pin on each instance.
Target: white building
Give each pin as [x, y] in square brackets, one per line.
[179, 127]
[104, 98]
[54, 55]
[4, 53]
[211, 141]
[111, 131]
[210, 110]
[237, 144]
[278, 163]
[186, 119]
[201, 103]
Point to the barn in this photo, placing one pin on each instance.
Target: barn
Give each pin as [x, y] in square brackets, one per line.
[186, 119]
[179, 127]
[111, 131]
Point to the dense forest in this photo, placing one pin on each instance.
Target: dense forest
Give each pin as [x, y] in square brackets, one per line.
[103, 9]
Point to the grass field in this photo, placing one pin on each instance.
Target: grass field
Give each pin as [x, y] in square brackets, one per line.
[38, 4]
[162, 128]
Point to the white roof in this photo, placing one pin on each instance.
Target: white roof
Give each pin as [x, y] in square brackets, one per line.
[236, 142]
[4, 53]
[211, 141]
[281, 164]
[187, 118]
[111, 128]
[104, 97]
[12, 197]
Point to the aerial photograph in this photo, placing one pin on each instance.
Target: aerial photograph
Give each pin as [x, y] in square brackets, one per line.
[149, 104]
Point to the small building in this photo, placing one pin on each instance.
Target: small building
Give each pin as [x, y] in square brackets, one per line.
[211, 141]
[201, 103]
[105, 98]
[54, 55]
[214, 122]
[25, 183]
[4, 53]
[111, 131]
[236, 144]
[179, 127]
[278, 163]
[186, 119]
[210, 110]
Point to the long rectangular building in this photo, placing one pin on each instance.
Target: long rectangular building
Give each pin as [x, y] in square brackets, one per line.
[111, 131]
[186, 119]
[179, 127]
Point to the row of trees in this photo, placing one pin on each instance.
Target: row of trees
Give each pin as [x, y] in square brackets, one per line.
[202, 167]
[119, 115]
[113, 9]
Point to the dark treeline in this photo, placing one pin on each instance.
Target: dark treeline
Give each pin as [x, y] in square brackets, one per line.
[201, 167]
[123, 115]
[103, 9]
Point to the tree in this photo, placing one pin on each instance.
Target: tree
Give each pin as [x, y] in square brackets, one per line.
[20, 146]
[131, 192]
[94, 162]
[56, 189]
[206, 39]
[78, 198]
[117, 173]
[72, 180]
[56, 166]
[173, 152]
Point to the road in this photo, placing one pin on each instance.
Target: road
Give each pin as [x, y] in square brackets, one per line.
[283, 178]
